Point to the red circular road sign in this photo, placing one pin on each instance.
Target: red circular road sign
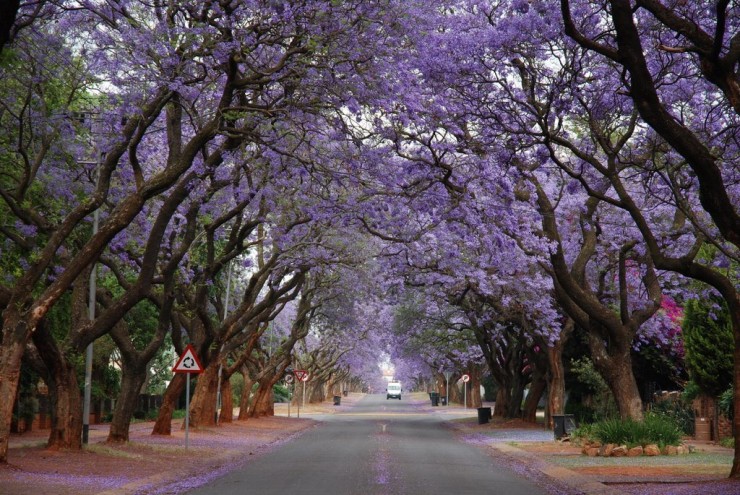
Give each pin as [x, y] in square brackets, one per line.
[466, 378]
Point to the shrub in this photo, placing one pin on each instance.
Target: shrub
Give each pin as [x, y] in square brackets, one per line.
[661, 430]
[590, 398]
[726, 403]
[690, 392]
[581, 412]
[678, 411]
[583, 434]
[654, 428]
[280, 393]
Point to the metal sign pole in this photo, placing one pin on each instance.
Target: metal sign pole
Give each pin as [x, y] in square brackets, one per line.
[465, 385]
[187, 410]
[298, 403]
[304, 393]
[188, 364]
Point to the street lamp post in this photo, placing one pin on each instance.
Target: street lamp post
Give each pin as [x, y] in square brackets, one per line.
[221, 365]
[89, 351]
[91, 313]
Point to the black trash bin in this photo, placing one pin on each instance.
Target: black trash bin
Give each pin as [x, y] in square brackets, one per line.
[434, 396]
[563, 425]
[337, 400]
[345, 393]
[443, 400]
[484, 415]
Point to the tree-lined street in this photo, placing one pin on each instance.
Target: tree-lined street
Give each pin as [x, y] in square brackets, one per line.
[530, 203]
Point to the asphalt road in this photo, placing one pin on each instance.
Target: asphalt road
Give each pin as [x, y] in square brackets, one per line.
[379, 447]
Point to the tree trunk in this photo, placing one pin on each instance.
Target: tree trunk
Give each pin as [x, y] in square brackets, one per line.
[64, 392]
[536, 389]
[502, 402]
[245, 401]
[132, 379]
[556, 382]
[203, 402]
[616, 369]
[310, 387]
[330, 388]
[66, 414]
[455, 392]
[317, 395]
[163, 425]
[263, 404]
[227, 402]
[474, 397]
[11, 352]
[516, 396]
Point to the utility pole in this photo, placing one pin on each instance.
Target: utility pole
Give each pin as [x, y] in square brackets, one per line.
[221, 365]
[91, 307]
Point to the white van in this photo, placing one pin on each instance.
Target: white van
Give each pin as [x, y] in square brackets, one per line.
[393, 390]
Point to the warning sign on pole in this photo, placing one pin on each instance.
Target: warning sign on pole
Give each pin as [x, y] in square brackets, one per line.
[301, 375]
[188, 362]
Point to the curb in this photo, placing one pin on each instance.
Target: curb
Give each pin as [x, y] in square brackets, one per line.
[578, 482]
[232, 458]
[157, 481]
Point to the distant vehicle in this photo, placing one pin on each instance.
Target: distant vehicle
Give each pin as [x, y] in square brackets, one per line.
[393, 391]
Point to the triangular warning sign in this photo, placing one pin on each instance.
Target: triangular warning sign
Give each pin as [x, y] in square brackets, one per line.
[188, 362]
[301, 375]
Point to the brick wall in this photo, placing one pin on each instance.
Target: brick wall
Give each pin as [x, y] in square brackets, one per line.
[704, 407]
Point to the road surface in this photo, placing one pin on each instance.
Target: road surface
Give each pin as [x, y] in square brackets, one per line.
[379, 447]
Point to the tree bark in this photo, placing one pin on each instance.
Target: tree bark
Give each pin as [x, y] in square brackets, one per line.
[163, 424]
[536, 389]
[203, 402]
[14, 337]
[66, 402]
[474, 397]
[615, 366]
[263, 404]
[227, 402]
[556, 382]
[318, 393]
[502, 403]
[245, 401]
[518, 383]
[132, 379]
[66, 415]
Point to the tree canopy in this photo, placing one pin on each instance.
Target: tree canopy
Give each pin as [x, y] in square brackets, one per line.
[451, 186]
